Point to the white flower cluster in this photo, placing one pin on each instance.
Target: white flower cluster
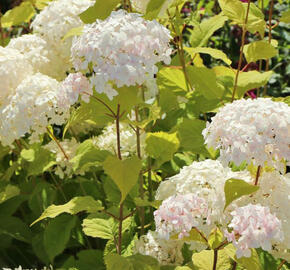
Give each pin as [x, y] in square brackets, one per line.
[167, 252]
[36, 104]
[254, 226]
[274, 193]
[121, 50]
[14, 67]
[107, 140]
[64, 166]
[35, 50]
[205, 179]
[249, 130]
[52, 23]
[178, 214]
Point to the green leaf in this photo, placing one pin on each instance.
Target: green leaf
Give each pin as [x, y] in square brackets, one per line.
[189, 134]
[194, 235]
[204, 260]
[57, 235]
[215, 238]
[171, 79]
[37, 159]
[77, 31]
[8, 192]
[74, 206]
[200, 34]
[99, 227]
[250, 80]
[125, 173]
[217, 54]
[15, 228]
[205, 82]
[153, 9]
[252, 263]
[87, 155]
[99, 10]
[161, 145]
[236, 188]
[235, 10]
[135, 262]
[259, 50]
[90, 259]
[285, 16]
[18, 15]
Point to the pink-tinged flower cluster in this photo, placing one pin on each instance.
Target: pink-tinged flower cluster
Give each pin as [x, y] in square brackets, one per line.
[75, 85]
[178, 214]
[121, 50]
[248, 130]
[253, 226]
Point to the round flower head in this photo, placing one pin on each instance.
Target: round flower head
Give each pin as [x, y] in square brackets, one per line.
[14, 67]
[274, 193]
[179, 214]
[34, 48]
[35, 105]
[121, 50]
[249, 130]
[253, 226]
[52, 24]
[206, 179]
[167, 252]
[107, 140]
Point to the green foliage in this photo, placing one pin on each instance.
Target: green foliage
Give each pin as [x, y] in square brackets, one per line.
[153, 8]
[98, 11]
[8, 192]
[201, 33]
[204, 260]
[161, 145]
[135, 262]
[73, 32]
[217, 54]
[56, 237]
[74, 206]
[259, 50]
[193, 235]
[124, 173]
[18, 15]
[285, 17]
[215, 238]
[236, 188]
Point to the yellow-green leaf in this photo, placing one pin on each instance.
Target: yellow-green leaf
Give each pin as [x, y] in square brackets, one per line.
[194, 235]
[124, 173]
[161, 145]
[74, 206]
[8, 192]
[217, 54]
[236, 188]
[215, 238]
[77, 31]
[259, 50]
[100, 10]
[153, 9]
[18, 15]
[204, 260]
[285, 17]
[99, 227]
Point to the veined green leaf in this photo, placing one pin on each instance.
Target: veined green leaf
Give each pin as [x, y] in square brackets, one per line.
[18, 15]
[125, 173]
[161, 145]
[153, 9]
[74, 206]
[99, 10]
[285, 17]
[217, 54]
[259, 50]
[236, 188]
[99, 227]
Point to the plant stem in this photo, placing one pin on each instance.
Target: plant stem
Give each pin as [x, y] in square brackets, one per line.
[258, 175]
[57, 142]
[234, 265]
[120, 158]
[215, 258]
[281, 264]
[269, 39]
[241, 50]
[141, 189]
